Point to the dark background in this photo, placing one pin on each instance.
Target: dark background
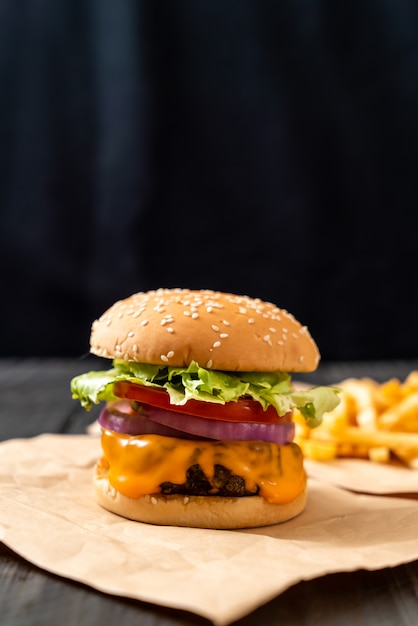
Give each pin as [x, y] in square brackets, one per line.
[265, 148]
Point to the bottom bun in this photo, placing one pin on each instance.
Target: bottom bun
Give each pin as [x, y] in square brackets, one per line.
[195, 511]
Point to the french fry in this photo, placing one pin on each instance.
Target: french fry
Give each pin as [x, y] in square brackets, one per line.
[363, 393]
[390, 393]
[379, 455]
[340, 418]
[398, 440]
[403, 416]
[411, 383]
[319, 450]
[373, 421]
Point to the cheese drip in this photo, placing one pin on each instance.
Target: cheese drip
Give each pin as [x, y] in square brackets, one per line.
[139, 464]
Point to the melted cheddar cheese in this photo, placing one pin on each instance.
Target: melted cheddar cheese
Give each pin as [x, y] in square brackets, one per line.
[139, 464]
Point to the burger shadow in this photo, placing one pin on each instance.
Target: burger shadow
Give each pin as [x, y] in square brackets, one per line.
[344, 519]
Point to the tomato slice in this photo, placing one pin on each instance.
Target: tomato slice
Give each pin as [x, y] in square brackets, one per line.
[244, 410]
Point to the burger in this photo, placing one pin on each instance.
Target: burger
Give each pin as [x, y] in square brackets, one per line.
[196, 425]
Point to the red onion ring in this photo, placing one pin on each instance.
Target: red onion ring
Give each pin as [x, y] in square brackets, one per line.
[153, 420]
[111, 418]
[220, 430]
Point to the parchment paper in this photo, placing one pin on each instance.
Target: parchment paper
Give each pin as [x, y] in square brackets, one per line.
[365, 476]
[49, 516]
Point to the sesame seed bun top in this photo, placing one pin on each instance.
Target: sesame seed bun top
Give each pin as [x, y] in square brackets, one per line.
[219, 331]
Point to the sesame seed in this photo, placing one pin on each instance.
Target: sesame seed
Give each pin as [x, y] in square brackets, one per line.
[267, 339]
[251, 320]
[242, 310]
[215, 328]
[135, 347]
[153, 500]
[108, 322]
[295, 336]
[168, 319]
[170, 329]
[131, 333]
[170, 354]
[186, 499]
[301, 358]
[285, 330]
[163, 358]
[216, 344]
[195, 315]
[144, 322]
[187, 313]
[280, 343]
[223, 335]
[272, 330]
[225, 323]
[209, 363]
[209, 309]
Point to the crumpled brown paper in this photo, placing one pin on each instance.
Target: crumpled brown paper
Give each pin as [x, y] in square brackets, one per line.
[49, 516]
[365, 476]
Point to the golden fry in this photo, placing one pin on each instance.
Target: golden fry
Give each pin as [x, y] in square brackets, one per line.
[379, 455]
[403, 416]
[373, 421]
[363, 395]
[398, 440]
[319, 450]
[411, 383]
[391, 393]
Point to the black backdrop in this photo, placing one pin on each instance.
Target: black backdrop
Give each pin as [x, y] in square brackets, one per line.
[259, 147]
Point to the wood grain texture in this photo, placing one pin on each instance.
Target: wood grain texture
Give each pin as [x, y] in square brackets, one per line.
[36, 398]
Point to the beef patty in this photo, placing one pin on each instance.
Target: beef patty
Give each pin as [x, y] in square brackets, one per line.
[223, 483]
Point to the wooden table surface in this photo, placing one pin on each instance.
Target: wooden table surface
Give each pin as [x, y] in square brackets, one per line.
[35, 398]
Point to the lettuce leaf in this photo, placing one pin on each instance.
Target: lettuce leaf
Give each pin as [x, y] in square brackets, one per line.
[185, 383]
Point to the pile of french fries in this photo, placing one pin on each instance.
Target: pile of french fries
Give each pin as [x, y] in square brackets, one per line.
[373, 421]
